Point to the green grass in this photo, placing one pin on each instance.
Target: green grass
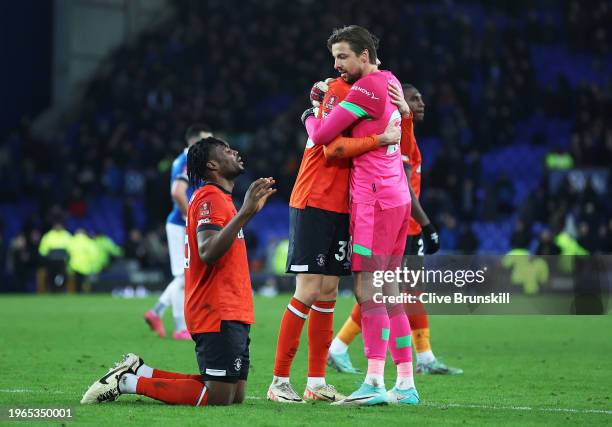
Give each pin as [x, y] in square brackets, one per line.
[53, 347]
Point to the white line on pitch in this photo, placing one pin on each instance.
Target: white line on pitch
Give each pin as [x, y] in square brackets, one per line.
[499, 408]
[516, 408]
[24, 390]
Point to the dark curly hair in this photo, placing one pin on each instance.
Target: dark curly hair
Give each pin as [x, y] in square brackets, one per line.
[198, 156]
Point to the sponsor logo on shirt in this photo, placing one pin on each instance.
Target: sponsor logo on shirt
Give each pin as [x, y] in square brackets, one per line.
[365, 92]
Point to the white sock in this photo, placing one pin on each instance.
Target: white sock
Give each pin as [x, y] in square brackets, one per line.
[179, 324]
[404, 383]
[159, 309]
[375, 379]
[144, 371]
[127, 383]
[166, 297]
[405, 378]
[177, 299]
[314, 382]
[280, 380]
[338, 346]
[425, 357]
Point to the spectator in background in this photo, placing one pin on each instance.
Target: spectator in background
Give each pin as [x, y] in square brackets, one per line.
[467, 242]
[54, 249]
[480, 72]
[521, 238]
[546, 245]
[21, 263]
[504, 193]
[156, 250]
[107, 249]
[449, 233]
[84, 259]
[4, 274]
[135, 248]
[77, 205]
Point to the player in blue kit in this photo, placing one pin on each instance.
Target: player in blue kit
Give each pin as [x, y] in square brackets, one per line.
[174, 294]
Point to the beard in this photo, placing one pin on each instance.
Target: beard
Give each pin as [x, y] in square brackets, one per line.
[236, 172]
[350, 78]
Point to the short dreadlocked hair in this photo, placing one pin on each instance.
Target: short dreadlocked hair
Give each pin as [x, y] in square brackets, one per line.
[407, 86]
[198, 156]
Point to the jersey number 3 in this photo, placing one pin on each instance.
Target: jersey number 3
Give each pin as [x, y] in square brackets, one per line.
[342, 250]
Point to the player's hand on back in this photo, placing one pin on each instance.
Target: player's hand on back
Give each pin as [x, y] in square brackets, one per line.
[257, 195]
[392, 134]
[398, 99]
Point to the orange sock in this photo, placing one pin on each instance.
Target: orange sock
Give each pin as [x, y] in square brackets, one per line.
[158, 373]
[320, 334]
[419, 322]
[420, 338]
[173, 391]
[289, 336]
[352, 326]
[415, 309]
[356, 314]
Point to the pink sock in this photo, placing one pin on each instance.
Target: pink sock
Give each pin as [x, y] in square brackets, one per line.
[400, 337]
[375, 331]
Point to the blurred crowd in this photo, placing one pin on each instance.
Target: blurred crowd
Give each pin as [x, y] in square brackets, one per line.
[247, 71]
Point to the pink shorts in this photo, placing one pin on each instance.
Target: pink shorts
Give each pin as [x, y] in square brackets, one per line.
[378, 236]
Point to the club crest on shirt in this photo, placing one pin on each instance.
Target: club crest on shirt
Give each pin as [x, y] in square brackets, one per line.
[321, 260]
[330, 104]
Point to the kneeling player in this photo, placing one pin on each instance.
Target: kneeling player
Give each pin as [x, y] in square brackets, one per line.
[218, 301]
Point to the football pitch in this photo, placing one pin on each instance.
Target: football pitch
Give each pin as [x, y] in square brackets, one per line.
[519, 370]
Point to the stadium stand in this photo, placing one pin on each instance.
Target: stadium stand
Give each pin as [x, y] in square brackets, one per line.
[505, 85]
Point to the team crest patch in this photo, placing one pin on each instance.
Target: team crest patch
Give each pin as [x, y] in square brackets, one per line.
[237, 364]
[205, 209]
[331, 102]
[321, 260]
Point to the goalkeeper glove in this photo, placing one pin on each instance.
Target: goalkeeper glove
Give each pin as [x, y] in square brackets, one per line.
[431, 239]
[312, 111]
[317, 93]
